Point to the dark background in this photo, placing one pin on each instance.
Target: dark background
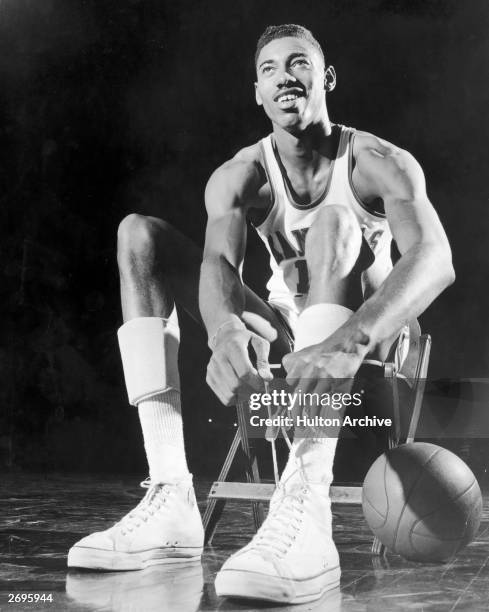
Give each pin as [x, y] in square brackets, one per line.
[117, 106]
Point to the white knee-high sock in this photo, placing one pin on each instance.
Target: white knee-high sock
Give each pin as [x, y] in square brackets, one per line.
[149, 350]
[315, 455]
[317, 322]
[161, 422]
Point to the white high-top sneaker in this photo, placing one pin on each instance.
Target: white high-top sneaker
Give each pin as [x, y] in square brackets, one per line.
[292, 558]
[165, 527]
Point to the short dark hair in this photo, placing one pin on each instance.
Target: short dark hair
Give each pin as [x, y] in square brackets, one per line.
[282, 31]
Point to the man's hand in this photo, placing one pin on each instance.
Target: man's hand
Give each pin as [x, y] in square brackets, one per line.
[230, 369]
[327, 367]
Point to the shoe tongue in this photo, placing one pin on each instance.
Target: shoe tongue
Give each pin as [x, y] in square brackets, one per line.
[315, 460]
[306, 478]
[152, 492]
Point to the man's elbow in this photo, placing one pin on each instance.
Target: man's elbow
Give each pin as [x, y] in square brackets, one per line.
[436, 257]
[446, 276]
[444, 265]
[450, 274]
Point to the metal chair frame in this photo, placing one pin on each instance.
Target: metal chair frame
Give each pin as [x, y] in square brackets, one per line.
[257, 492]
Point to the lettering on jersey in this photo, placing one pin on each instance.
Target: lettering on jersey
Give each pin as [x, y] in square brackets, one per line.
[283, 251]
[373, 238]
[300, 236]
[277, 255]
[281, 248]
[302, 276]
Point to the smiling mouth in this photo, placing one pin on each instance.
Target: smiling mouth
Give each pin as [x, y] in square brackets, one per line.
[288, 97]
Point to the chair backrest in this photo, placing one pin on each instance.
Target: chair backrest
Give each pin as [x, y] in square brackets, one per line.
[410, 366]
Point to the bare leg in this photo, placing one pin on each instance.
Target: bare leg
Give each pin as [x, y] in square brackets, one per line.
[160, 266]
[332, 250]
[335, 262]
[336, 242]
[336, 257]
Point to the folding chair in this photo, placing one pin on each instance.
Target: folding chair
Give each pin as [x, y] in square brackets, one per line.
[257, 492]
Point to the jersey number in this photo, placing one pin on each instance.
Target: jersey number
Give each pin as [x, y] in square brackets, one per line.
[303, 276]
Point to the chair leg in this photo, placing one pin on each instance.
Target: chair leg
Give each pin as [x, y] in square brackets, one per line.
[421, 373]
[214, 508]
[252, 472]
[395, 432]
[378, 548]
[212, 516]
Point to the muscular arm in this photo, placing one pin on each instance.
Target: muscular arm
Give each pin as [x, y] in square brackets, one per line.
[221, 290]
[421, 274]
[425, 267]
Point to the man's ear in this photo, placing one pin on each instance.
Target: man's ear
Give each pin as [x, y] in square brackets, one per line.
[258, 99]
[329, 79]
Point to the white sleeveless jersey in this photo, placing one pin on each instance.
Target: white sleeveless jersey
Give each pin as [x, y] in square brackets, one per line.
[285, 227]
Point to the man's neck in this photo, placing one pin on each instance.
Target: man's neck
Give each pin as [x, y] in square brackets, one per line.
[303, 148]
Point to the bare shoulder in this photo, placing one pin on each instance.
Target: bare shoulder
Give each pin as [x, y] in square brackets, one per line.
[381, 165]
[238, 180]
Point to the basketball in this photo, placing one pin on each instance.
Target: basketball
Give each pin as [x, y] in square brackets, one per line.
[422, 502]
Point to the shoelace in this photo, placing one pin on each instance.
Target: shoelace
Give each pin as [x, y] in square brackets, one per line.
[285, 516]
[282, 525]
[152, 502]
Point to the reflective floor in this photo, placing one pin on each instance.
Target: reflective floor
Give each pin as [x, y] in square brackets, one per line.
[42, 516]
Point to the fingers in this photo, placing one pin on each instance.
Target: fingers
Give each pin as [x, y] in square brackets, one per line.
[230, 370]
[239, 358]
[301, 373]
[262, 352]
[260, 325]
[304, 376]
[287, 361]
[220, 379]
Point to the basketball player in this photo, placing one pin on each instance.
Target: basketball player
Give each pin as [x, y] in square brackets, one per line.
[326, 201]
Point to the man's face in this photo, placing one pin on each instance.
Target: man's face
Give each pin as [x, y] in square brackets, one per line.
[290, 82]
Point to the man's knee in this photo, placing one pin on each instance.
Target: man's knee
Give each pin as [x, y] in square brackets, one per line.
[139, 239]
[335, 238]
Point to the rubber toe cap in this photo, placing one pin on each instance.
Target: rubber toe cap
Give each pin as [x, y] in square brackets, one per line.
[98, 540]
